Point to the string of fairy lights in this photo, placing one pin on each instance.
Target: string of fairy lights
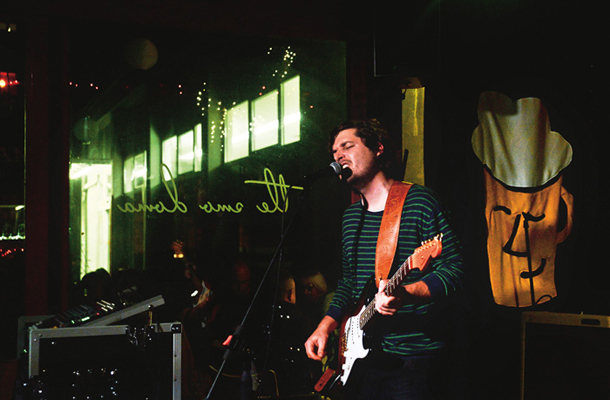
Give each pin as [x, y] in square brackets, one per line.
[205, 103]
[11, 252]
[287, 61]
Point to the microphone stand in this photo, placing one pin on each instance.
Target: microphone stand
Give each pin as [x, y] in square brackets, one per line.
[236, 342]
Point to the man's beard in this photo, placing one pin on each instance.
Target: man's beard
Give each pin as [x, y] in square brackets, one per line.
[358, 181]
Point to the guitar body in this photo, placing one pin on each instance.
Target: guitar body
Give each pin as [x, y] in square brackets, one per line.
[357, 329]
[355, 342]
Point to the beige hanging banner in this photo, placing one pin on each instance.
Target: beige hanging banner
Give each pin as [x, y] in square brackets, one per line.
[523, 184]
[413, 132]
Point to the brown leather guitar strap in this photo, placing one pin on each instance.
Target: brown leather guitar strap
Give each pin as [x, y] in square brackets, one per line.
[388, 231]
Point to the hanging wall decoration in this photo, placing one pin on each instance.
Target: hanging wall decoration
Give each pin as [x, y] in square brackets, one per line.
[523, 161]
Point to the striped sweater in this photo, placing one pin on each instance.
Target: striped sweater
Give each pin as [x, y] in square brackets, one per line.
[417, 329]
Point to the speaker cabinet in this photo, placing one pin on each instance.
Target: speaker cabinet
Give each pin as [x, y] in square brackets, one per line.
[564, 356]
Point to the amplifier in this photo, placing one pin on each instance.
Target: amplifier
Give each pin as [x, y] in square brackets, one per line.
[117, 361]
[565, 356]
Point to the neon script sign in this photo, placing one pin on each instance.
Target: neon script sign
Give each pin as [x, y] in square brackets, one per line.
[277, 191]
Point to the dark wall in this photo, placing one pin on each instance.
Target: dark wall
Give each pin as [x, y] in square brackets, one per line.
[551, 50]
[548, 50]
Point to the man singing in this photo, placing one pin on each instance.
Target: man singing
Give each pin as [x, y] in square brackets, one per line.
[413, 322]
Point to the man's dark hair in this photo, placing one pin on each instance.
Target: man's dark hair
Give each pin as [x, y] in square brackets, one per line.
[373, 134]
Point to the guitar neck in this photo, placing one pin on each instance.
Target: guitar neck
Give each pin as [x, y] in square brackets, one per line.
[429, 249]
[370, 311]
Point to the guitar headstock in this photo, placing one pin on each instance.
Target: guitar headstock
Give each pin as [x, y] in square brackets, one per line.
[421, 257]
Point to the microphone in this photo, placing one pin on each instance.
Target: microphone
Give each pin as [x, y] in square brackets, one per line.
[333, 169]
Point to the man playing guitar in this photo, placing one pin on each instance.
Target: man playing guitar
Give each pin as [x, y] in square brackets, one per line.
[407, 336]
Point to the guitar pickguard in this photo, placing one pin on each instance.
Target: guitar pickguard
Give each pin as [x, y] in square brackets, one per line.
[353, 345]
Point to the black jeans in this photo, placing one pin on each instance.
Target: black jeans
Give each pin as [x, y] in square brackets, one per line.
[405, 378]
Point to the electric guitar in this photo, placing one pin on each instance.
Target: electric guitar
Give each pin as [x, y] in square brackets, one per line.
[352, 345]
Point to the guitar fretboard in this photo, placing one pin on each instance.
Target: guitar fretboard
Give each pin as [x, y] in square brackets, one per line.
[412, 262]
